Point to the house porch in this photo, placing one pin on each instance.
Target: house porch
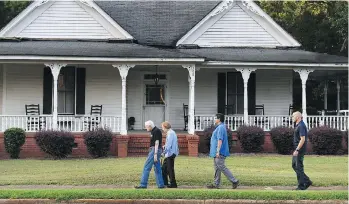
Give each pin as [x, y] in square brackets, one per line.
[22, 84]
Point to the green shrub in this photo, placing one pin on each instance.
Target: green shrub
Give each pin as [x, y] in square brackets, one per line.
[251, 138]
[98, 142]
[325, 140]
[14, 139]
[282, 138]
[58, 144]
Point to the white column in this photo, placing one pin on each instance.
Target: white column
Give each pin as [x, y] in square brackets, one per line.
[123, 69]
[304, 73]
[338, 96]
[191, 106]
[246, 76]
[325, 94]
[55, 69]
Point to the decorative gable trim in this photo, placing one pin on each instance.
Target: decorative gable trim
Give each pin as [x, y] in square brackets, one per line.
[257, 14]
[33, 11]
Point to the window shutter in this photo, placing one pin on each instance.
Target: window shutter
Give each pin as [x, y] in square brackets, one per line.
[252, 94]
[47, 96]
[80, 90]
[221, 92]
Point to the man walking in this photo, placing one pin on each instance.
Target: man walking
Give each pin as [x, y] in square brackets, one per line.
[219, 150]
[153, 157]
[300, 146]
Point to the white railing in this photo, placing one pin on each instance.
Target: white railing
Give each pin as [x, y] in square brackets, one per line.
[268, 122]
[337, 122]
[69, 123]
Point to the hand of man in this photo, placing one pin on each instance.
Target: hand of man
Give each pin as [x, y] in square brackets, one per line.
[217, 155]
[155, 158]
[295, 153]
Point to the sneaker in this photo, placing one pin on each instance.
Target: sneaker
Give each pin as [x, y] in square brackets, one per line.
[236, 184]
[212, 186]
[171, 186]
[298, 189]
[161, 187]
[140, 187]
[310, 183]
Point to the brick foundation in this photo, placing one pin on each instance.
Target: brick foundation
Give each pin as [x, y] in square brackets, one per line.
[138, 145]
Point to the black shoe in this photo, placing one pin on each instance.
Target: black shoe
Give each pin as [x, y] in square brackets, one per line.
[310, 183]
[299, 189]
[161, 187]
[140, 187]
[212, 186]
[236, 184]
[172, 186]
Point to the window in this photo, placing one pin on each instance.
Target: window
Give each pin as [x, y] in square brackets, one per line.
[66, 90]
[155, 94]
[235, 92]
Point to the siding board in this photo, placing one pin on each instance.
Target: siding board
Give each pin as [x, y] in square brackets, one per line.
[236, 28]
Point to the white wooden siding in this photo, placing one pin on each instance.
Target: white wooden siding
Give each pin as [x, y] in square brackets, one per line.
[103, 87]
[65, 19]
[274, 90]
[24, 85]
[236, 28]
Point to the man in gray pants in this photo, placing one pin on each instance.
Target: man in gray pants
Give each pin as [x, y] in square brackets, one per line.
[219, 150]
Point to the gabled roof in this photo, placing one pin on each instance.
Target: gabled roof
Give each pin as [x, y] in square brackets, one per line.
[160, 23]
[68, 19]
[237, 23]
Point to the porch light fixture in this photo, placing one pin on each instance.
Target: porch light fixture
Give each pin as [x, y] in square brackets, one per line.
[156, 76]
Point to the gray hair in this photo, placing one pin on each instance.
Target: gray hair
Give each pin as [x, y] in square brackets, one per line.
[149, 123]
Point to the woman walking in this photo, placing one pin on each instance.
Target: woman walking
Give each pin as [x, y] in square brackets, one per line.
[171, 150]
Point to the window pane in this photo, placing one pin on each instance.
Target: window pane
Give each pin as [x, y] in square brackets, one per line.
[155, 94]
[69, 79]
[61, 99]
[240, 84]
[231, 82]
[69, 102]
[232, 101]
[240, 105]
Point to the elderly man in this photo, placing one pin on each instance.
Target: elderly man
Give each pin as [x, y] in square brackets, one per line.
[153, 157]
[300, 146]
[219, 150]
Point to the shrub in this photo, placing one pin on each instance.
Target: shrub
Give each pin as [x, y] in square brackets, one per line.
[325, 140]
[98, 142]
[58, 144]
[208, 134]
[14, 139]
[346, 136]
[251, 138]
[282, 138]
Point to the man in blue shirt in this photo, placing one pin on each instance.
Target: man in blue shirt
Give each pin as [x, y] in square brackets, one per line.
[219, 150]
[300, 147]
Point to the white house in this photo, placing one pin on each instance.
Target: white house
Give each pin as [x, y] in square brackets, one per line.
[214, 56]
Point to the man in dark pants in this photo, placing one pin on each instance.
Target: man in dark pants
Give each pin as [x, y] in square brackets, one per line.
[300, 145]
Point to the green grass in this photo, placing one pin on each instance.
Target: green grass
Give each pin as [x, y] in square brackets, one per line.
[172, 194]
[258, 170]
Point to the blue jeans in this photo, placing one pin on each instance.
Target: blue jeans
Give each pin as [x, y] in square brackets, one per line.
[157, 169]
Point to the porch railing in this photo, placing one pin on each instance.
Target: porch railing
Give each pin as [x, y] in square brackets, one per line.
[69, 123]
[268, 122]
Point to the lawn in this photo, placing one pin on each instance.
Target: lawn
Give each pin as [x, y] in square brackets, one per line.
[70, 194]
[254, 170]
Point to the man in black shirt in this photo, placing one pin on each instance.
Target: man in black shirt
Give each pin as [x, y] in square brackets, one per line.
[300, 146]
[153, 157]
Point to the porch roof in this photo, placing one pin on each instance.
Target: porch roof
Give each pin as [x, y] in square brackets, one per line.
[86, 49]
[264, 55]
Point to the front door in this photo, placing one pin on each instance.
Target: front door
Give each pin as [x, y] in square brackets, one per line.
[154, 103]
